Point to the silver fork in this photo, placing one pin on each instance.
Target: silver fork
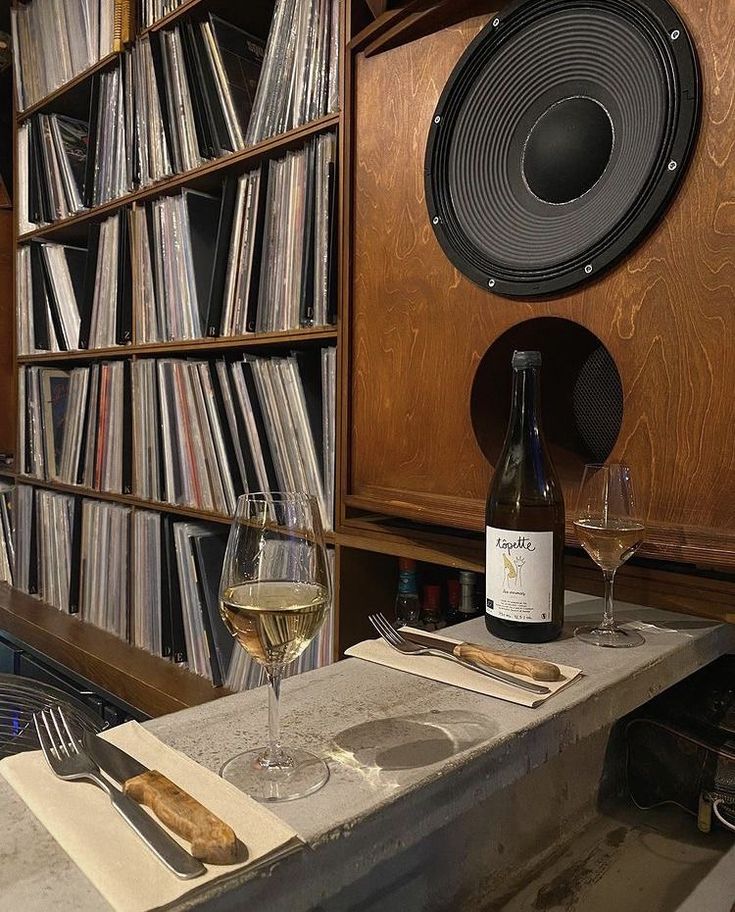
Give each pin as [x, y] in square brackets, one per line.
[68, 760]
[393, 638]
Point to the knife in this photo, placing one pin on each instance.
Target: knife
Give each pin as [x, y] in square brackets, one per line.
[481, 655]
[212, 840]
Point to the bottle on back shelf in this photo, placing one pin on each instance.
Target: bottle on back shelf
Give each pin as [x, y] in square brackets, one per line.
[470, 604]
[454, 598]
[524, 596]
[408, 609]
[431, 608]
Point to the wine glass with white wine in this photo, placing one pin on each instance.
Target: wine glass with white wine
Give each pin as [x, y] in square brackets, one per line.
[275, 594]
[610, 530]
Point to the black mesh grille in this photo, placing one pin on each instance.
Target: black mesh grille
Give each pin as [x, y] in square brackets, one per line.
[598, 404]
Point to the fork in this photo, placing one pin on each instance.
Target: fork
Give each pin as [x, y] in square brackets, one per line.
[393, 638]
[68, 760]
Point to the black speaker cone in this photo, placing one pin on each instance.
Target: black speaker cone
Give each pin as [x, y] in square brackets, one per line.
[567, 150]
[559, 139]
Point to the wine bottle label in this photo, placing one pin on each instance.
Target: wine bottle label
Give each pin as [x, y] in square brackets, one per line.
[519, 575]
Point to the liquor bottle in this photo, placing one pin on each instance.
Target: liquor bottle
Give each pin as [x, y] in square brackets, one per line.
[524, 519]
[407, 600]
[470, 606]
[431, 609]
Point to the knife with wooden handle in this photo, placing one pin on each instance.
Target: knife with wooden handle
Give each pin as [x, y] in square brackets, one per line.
[212, 841]
[536, 669]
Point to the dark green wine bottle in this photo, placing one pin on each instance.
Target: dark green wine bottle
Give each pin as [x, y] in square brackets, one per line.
[524, 519]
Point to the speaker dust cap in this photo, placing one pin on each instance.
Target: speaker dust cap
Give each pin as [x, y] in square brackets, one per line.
[560, 139]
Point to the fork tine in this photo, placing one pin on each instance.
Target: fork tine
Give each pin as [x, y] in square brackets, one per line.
[61, 743]
[384, 624]
[72, 740]
[385, 629]
[43, 739]
[375, 620]
[55, 752]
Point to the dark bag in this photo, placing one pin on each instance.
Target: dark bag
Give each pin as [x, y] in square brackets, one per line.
[681, 748]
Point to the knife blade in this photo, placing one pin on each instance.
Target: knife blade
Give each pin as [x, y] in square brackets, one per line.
[537, 669]
[212, 840]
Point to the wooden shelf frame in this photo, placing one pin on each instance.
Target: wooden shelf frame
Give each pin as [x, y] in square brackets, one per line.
[148, 683]
[133, 500]
[188, 347]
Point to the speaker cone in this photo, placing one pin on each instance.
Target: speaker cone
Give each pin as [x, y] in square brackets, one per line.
[559, 140]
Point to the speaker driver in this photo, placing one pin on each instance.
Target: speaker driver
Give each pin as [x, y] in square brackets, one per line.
[559, 140]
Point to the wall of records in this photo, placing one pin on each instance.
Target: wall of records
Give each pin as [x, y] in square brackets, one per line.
[112, 447]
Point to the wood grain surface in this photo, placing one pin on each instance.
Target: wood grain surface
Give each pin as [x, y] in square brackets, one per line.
[419, 329]
[212, 841]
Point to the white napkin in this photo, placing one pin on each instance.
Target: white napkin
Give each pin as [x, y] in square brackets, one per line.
[449, 672]
[81, 819]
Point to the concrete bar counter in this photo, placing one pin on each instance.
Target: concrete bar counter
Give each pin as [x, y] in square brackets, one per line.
[440, 798]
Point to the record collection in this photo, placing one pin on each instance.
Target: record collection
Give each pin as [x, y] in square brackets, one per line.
[72, 297]
[208, 431]
[77, 428]
[74, 553]
[299, 82]
[150, 11]
[56, 41]
[254, 254]
[258, 257]
[175, 99]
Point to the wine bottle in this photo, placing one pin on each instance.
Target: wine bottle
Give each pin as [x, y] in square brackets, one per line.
[524, 519]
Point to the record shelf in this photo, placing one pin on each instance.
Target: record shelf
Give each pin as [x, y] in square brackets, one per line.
[150, 684]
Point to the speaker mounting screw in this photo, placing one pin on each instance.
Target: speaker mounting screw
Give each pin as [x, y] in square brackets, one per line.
[675, 34]
[491, 283]
[436, 220]
[496, 23]
[437, 119]
[588, 268]
[672, 165]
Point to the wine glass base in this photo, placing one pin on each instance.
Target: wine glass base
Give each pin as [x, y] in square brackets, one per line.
[307, 774]
[613, 637]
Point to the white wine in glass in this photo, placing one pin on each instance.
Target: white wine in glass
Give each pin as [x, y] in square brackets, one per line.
[274, 597]
[610, 531]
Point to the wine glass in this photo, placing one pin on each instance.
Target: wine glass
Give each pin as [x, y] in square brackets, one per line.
[274, 596]
[610, 530]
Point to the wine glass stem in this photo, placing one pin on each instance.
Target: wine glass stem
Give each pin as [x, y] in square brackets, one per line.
[274, 754]
[608, 619]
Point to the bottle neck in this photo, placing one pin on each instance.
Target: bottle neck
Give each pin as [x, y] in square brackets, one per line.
[526, 406]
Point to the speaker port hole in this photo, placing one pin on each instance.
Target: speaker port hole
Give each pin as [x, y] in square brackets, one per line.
[582, 394]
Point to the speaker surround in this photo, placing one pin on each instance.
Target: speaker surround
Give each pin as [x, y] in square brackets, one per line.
[559, 140]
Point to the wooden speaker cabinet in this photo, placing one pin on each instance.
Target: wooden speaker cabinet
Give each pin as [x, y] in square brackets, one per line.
[639, 362]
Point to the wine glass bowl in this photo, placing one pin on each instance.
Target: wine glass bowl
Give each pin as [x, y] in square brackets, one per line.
[610, 530]
[275, 595]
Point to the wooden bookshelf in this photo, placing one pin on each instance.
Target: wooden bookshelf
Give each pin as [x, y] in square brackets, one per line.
[206, 176]
[151, 684]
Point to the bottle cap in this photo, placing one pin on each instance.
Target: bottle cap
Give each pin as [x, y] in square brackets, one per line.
[406, 563]
[524, 359]
[467, 576]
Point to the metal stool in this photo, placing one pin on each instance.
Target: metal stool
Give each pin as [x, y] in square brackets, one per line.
[20, 698]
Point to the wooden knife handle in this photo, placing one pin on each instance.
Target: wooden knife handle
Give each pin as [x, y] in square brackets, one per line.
[532, 668]
[212, 841]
